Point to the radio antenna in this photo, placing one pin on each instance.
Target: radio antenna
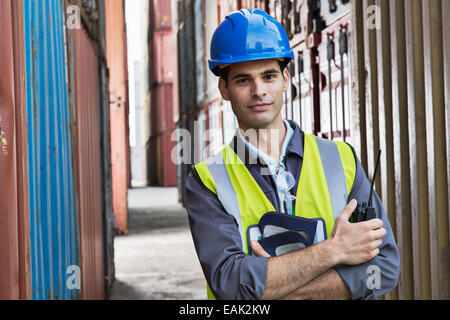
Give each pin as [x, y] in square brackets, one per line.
[373, 179]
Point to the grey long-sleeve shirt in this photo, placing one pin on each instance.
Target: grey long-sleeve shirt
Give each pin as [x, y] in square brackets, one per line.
[231, 274]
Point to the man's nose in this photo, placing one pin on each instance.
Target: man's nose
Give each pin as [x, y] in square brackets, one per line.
[258, 89]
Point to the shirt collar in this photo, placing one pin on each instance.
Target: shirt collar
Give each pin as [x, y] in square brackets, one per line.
[297, 142]
[253, 155]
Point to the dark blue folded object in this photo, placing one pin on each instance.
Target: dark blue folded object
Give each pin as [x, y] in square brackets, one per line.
[282, 233]
[282, 243]
[291, 223]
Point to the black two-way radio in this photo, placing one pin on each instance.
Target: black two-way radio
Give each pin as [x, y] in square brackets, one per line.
[365, 211]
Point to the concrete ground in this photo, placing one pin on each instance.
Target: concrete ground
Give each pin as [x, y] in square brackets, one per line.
[157, 259]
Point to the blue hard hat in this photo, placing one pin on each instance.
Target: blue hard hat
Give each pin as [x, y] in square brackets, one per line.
[248, 35]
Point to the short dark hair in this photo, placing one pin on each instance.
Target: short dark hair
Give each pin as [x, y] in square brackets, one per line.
[226, 71]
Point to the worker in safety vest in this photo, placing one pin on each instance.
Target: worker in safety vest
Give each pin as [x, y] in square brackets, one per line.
[272, 165]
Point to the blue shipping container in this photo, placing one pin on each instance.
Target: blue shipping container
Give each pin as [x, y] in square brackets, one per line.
[54, 235]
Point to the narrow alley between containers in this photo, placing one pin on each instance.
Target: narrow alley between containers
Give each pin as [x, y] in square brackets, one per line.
[157, 259]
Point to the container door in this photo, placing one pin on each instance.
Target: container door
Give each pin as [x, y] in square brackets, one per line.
[55, 271]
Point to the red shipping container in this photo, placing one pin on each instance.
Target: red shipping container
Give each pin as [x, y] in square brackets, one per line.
[162, 109]
[163, 171]
[167, 168]
[161, 14]
[88, 164]
[164, 56]
[15, 279]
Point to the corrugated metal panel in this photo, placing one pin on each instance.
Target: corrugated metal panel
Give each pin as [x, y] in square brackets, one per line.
[88, 162]
[53, 210]
[116, 58]
[334, 92]
[14, 221]
[162, 109]
[404, 94]
[199, 53]
[107, 206]
[162, 101]
[163, 20]
[108, 214]
[164, 57]
[210, 26]
[163, 171]
[186, 57]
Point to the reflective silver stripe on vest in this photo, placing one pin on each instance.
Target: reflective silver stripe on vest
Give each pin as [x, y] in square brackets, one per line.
[334, 174]
[225, 190]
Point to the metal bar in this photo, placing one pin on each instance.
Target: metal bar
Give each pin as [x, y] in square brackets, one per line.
[409, 275]
[435, 90]
[385, 131]
[358, 98]
[299, 74]
[342, 51]
[430, 143]
[446, 52]
[330, 57]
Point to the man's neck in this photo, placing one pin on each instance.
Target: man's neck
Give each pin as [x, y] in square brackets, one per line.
[269, 139]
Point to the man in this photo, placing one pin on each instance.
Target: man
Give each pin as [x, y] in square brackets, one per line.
[233, 189]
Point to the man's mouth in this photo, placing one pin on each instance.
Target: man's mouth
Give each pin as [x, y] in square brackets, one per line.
[261, 106]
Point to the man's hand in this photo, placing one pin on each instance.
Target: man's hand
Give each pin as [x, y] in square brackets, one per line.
[356, 243]
[258, 249]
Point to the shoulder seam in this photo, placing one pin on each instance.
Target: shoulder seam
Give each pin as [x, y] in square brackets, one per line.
[197, 177]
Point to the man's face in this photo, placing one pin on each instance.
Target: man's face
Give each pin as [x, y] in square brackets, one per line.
[255, 90]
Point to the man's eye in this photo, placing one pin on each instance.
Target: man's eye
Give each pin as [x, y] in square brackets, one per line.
[242, 81]
[269, 76]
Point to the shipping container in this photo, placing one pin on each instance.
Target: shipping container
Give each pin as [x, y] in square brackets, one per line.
[54, 233]
[334, 92]
[400, 57]
[107, 197]
[117, 64]
[105, 131]
[14, 202]
[162, 109]
[89, 98]
[163, 19]
[84, 69]
[163, 48]
[186, 58]
[375, 73]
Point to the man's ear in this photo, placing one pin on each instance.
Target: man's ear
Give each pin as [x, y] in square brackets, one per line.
[286, 79]
[223, 89]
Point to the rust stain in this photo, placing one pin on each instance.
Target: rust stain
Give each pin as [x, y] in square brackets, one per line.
[3, 141]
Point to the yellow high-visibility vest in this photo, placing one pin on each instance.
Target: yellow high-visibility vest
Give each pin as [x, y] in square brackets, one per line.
[326, 178]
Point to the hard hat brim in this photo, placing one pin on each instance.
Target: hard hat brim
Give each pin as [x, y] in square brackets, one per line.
[215, 65]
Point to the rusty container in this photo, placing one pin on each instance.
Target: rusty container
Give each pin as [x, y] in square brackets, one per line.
[116, 59]
[84, 69]
[14, 205]
[162, 43]
[400, 104]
